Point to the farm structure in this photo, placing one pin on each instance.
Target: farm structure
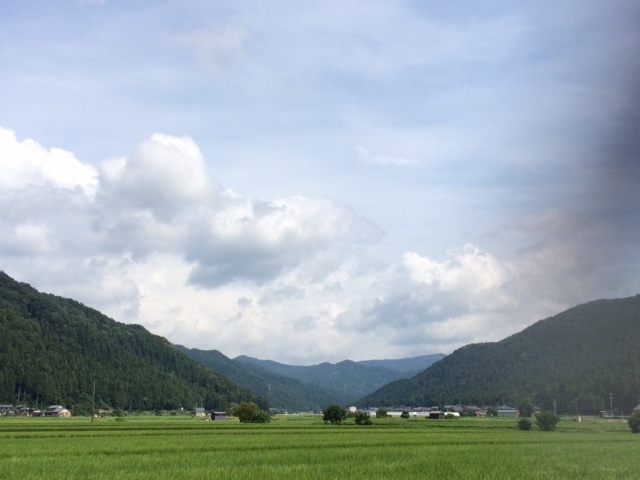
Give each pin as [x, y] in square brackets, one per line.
[56, 411]
[507, 412]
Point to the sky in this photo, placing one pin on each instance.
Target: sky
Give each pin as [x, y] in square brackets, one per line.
[319, 181]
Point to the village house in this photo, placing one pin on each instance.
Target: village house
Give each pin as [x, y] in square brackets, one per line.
[507, 412]
[57, 411]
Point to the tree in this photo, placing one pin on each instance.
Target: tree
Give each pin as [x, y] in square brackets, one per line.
[492, 412]
[525, 407]
[547, 421]
[404, 414]
[382, 413]
[363, 418]
[634, 422]
[250, 413]
[334, 414]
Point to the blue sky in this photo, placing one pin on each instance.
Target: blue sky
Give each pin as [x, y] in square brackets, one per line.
[320, 181]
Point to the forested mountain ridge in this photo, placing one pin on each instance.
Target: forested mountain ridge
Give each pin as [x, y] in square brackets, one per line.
[353, 379]
[280, 391]
[576, 358]
[52, 349]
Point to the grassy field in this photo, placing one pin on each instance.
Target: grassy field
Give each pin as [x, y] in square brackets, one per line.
[304, 448]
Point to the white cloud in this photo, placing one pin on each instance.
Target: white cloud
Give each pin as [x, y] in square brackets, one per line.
[27, 239]
[164, 175]
[28, 163]
[294, 279]
[482, 131]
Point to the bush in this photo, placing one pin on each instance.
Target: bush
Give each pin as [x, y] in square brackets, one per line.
[634, 422]
[250, 413]
[524, 424]
[382, 413]
[363, 418]
[547, 421]
[334, 414]
[404, 414]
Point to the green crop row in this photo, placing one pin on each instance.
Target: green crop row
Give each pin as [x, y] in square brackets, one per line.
[305, 448]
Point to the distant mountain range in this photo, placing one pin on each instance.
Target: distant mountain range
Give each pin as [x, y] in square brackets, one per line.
[353, 379]
[309, 388]
[53, 350]
[580, 361]
[280, 391]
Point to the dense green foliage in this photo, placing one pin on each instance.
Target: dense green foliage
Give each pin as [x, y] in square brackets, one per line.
[524, 424]
[363, 418]
[303, 448]
[353, 379]
[576, 358]
[547, 421]
[250, 413]
[280, 391]
[526, 407]
[53, 349]
[334, 414]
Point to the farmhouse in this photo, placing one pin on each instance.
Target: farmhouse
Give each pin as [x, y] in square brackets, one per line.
[218, 415]
[507, 412]
[200, 412]
[57, 411]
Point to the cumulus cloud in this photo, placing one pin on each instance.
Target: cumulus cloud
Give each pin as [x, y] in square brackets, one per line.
[28, 163]
[155, 206]
[151, 238]
[165, 175]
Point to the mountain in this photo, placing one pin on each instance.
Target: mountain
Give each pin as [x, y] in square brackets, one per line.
[53, 349]
[353, 379]
[583, 360]
[407, 366]
[280, 391]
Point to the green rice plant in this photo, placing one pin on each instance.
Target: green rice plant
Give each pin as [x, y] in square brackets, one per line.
[293, 447]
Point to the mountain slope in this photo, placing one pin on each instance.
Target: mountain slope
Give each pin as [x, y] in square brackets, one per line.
[576, 358]
[280, 391]
[353, 379]
[407, 366]
[52, 350]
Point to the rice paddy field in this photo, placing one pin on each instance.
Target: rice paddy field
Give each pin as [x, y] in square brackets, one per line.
[298, 447]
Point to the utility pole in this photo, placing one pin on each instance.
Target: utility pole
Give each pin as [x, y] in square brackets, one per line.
[611, 404]
[93, 406]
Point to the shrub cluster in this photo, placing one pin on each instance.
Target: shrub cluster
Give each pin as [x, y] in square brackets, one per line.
[250, 413]
[363, 418]
[547, 421]
[524, 424]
